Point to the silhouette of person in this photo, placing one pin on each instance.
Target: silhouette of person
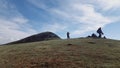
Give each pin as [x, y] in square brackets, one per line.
[94, 35]
[99, 31]
[104, 37]
[68, 35]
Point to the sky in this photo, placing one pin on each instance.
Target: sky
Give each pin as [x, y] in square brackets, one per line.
[22, 18]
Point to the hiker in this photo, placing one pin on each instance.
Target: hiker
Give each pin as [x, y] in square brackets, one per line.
[99, 31]
[94, 35]
[68, 35]
[104, 37]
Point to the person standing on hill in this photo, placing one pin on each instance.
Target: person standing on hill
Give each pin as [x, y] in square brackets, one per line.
[100, 32]
[68, 35]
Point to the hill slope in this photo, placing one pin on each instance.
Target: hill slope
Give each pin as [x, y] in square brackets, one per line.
[72, 53]
[38, 37]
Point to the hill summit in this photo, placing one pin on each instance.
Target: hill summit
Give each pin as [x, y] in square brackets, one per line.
[38, 37]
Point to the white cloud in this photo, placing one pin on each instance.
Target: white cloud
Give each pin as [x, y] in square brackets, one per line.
[101, 4]
[12, 23]
[85, 15]
[39, 4]
[20, 20]
[12, 31]
[109, 4]
[54, 27]
[81, 15]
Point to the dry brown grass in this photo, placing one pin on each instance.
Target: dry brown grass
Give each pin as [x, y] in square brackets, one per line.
[58, 54]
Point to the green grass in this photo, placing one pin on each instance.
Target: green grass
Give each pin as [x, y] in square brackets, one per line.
[72, 53]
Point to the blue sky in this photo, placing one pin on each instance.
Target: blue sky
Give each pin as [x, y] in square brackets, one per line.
[22, 18]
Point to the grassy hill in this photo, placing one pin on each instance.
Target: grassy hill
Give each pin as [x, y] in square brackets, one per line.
[72, 53]
[37, 37]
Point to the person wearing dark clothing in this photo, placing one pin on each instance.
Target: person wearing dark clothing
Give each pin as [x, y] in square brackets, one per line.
[94, 35]
[68, 35]
[104, 37]
[99, 31]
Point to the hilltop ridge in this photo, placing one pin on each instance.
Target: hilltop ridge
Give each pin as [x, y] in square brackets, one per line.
[37, 37]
